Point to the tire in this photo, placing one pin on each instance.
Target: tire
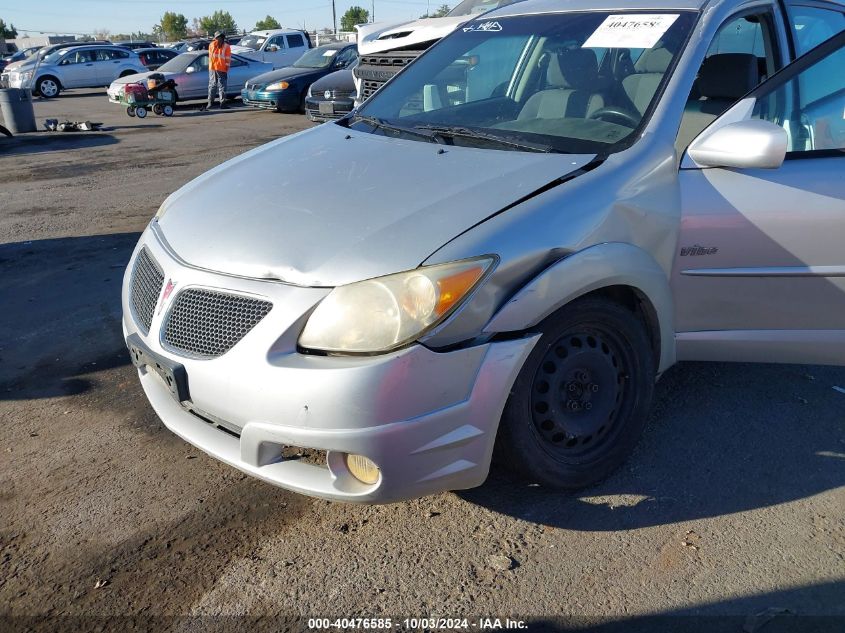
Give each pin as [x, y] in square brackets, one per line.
[168, 110]
[48, 87]
[130, 110]
[158, 109]
[140, 112]
[594, 356]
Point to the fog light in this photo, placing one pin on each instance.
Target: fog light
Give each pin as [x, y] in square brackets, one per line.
[362, 469]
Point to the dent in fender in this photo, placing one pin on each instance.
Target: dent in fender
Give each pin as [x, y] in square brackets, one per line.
[600, 266]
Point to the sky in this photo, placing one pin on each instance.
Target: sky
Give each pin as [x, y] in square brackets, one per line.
[127, 16]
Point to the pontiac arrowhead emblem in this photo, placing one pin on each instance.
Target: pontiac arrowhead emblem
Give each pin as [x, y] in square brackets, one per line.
[168, 290]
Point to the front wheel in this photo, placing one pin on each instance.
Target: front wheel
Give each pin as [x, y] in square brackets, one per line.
[48, 87]
[580, 402]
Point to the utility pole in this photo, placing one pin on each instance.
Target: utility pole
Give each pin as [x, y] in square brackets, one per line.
[373, 14]
[334, 18]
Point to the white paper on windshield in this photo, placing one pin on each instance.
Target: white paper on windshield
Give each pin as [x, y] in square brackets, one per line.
[329, 53]
[637, 30]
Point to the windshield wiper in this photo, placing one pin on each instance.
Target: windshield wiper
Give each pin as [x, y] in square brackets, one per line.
[377, 122]
[454, 131]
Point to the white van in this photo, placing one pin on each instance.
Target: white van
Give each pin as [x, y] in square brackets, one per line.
[280, 47]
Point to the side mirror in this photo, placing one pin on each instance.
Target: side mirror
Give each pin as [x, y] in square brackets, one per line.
[753, 143]
[190, 69]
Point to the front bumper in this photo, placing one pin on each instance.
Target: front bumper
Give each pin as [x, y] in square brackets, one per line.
[427, 419]
[340, 108]
[279, 100]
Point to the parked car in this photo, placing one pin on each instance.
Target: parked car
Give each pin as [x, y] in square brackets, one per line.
[135, 45]
[40, 54]
[552, 206]
[279, 47]
[197, 45]
[234, 39]
[18, 56]
[153, 58]
[284, 90]
[190, 72]
[76, 67]
[387, 48]
[331, 97]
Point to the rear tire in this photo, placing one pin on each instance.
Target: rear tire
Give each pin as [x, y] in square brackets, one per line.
[130, 110]
[581, 401]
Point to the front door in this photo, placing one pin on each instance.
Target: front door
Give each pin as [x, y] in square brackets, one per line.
[79, 68]
[761, 255]
[275, 51]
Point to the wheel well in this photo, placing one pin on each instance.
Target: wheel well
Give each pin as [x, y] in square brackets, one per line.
[126, 73]
[639, 304]
[53, 77]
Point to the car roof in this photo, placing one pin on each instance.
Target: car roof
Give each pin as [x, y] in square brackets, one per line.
[337, 45]
[275, 32]
[528, 7]
[156, 49]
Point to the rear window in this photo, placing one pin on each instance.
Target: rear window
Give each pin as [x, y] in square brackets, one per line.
[295, 41]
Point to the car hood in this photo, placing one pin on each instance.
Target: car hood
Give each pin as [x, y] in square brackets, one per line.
[375, 38]
[330, 206]
[133, 79]
[289, 72]
[338, 80]
[22, 65]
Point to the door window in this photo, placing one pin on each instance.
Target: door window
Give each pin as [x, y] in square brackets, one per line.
[742, 54]
[80, 57]
[809, 104]
[814, 25]
[296, 41]
[346, 57]
[278, 41]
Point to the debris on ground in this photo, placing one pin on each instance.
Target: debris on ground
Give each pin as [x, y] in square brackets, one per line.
[53, 125]
[502, 562]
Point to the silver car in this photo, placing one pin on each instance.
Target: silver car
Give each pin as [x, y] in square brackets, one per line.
[190, 72]
[506, 245]
[75, 67]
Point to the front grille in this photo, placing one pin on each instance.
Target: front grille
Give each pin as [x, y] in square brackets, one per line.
[208, 323]
[147, 280]
[368, 88]
[375, 70]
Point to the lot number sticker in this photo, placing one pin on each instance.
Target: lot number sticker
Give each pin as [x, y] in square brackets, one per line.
[631, 31]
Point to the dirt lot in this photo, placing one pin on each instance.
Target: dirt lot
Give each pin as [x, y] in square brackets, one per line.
[733, 505]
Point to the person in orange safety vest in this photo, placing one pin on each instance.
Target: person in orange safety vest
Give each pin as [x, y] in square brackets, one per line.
[219, 60]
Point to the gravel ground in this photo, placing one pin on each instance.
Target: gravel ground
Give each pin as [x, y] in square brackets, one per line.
[732, 507]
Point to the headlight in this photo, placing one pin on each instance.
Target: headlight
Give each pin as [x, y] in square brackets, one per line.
[279, 85]
[382, 314]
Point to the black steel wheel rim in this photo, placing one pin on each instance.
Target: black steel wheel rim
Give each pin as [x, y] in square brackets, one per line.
[579, 393]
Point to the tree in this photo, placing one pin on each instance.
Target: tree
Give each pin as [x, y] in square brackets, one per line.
[267, 24]
[218, 21]
[441, 12]
[174, 26]
[101, 34]
[354, 15]
[8, 32]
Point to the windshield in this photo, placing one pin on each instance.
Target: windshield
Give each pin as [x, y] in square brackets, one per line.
[566, 82]
[177, 64]
[252, 41]
[53, 57]
[317, 58]
[472, 7]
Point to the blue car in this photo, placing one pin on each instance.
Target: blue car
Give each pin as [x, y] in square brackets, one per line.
[285, 89]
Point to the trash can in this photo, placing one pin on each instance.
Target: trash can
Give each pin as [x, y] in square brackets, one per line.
[16, 106]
